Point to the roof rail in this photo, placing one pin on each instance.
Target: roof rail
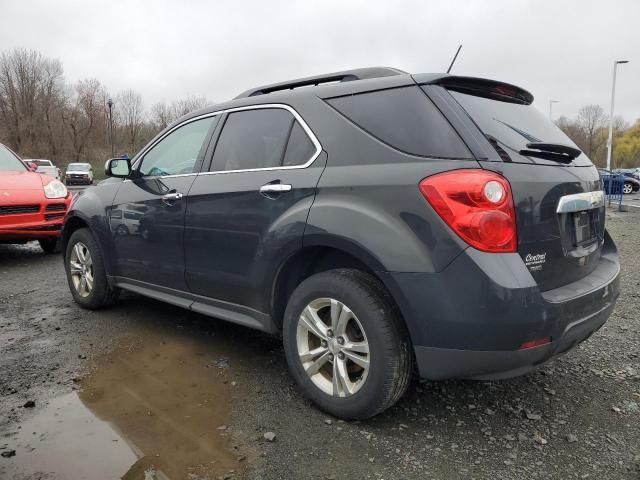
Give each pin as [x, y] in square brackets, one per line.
[344, 76]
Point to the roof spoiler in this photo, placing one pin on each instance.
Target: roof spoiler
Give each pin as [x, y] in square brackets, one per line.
[344, 76]
[481, 87]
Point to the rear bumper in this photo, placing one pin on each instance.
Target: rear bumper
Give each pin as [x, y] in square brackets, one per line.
[440, 363]
[79, 181]
[470, 320]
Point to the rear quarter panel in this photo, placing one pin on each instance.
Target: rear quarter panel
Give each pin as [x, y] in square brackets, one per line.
[368, 201]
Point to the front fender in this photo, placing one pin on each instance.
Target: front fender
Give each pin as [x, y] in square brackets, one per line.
[91, 207]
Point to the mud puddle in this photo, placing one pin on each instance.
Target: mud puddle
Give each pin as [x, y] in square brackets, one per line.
[153, 408]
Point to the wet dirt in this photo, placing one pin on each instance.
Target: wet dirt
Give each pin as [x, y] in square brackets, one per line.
[152, 408]
[576, 417]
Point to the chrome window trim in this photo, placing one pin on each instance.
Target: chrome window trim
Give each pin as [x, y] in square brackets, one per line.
[578, 202]
[296, 115]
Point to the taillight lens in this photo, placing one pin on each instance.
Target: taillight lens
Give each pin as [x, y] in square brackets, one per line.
[477, 205]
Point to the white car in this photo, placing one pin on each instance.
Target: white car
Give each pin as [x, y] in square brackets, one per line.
[78, 173]
[45, 166]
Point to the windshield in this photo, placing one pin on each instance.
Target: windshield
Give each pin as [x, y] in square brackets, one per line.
[79, 167]
[9, 162]
[510, 127]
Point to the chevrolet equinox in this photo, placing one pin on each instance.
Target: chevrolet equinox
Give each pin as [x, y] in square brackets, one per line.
[383, 223]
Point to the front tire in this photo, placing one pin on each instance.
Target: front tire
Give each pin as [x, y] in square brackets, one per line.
[627, 188]
[86, 275]
[50, 245]
[346, 344]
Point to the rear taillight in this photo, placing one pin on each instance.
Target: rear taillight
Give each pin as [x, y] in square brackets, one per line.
[477, 205]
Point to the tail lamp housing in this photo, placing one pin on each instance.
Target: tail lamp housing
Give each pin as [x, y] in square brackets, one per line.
[477, 205]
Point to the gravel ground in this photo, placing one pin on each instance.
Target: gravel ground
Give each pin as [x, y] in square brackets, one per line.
[577, 417]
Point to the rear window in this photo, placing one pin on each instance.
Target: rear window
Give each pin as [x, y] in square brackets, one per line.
[510, 126]
[405, 119]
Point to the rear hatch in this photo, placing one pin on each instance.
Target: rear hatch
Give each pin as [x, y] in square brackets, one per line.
[560, 241]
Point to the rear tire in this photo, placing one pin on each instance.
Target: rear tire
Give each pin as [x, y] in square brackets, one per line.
[86, 275]
[627, 188]
[372, 319]
[50, 245]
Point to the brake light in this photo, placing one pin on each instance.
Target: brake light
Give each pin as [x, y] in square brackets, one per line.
[477, 205]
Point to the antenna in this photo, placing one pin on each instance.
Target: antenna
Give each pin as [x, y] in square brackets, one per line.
[454, 59]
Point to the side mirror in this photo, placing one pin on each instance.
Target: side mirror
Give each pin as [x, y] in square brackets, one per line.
[32, 166]
[118, 167]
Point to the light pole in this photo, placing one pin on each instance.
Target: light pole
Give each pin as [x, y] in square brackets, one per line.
[551, 102]
[613, 96]
[110, 105]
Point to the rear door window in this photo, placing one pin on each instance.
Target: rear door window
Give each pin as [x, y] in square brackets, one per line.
[253, 139]
[405, 119]
[509, 127]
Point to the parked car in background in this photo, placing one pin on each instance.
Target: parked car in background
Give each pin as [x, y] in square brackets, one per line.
[32, 204]
[629, 172]
[45, 166]
[631, 183]
[78, 173]
[375, 219]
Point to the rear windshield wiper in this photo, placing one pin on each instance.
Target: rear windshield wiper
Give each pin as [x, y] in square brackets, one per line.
[551, 151]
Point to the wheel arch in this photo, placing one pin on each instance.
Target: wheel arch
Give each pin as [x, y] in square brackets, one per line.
[315, 258]
[71, 224]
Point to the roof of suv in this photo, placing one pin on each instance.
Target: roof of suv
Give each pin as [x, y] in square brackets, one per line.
[354, 81]
[344, 76]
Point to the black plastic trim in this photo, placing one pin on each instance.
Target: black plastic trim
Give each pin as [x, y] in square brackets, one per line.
[211, 307]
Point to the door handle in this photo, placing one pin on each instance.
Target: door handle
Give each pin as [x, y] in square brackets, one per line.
[271, 188]
[169, 198]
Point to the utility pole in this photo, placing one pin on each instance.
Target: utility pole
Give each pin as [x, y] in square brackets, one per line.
[110, 105]
[613, 97]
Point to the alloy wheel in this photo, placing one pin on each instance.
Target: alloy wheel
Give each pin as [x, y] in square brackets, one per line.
[333, 347]
[627, 189]
[81, 269]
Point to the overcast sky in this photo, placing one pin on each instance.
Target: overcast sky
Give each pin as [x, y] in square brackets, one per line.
[169, 49]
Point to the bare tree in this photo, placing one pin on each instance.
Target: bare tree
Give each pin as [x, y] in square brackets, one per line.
[162, 115]
[592, 122]
[187, 105]
[619, 125]
[83, 114]
[571, 129]
[52, 99]
[21, 78]
[42, 116]
[131, 117]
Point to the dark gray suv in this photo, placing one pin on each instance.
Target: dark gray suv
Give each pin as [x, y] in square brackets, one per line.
[383, 223]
